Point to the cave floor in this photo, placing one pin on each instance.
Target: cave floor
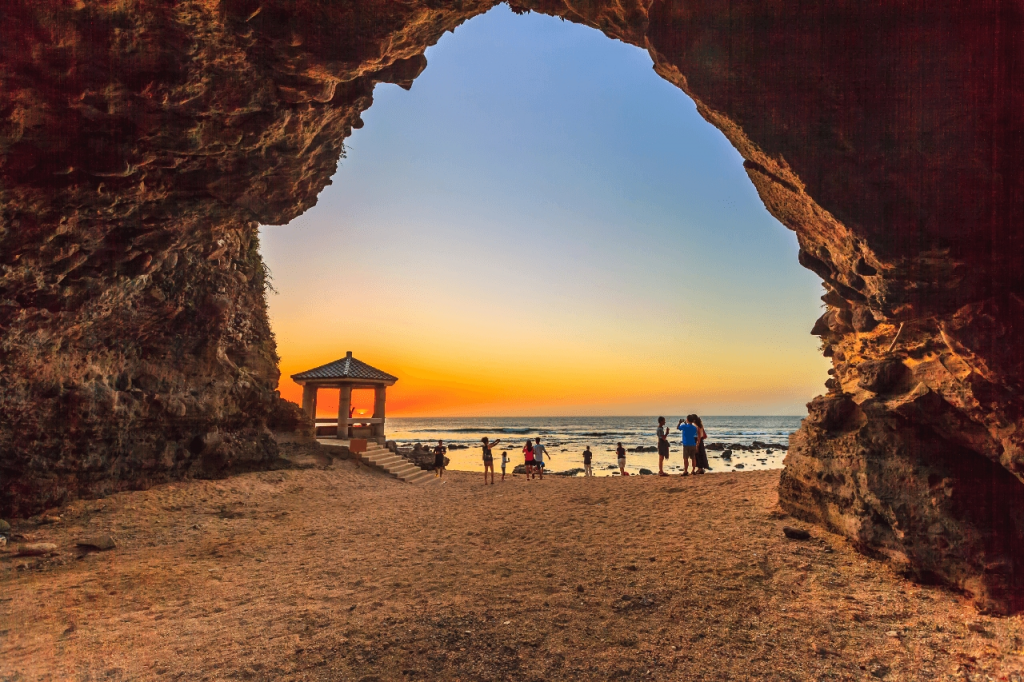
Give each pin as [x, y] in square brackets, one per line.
[341, 573]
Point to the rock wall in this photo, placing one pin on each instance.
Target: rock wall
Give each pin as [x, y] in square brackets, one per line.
[142, 142]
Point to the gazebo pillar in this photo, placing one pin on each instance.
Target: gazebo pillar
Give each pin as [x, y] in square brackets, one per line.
[309, 401]
[379, 398]
[344, 407]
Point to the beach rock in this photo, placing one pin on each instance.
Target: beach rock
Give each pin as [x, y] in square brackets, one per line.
[568, 472]
[796, 533]
[715, 446]
[420, 455]
[646, 472]
[611, 466]
[727, 454]
[5, 528]
[36, 549]
[97, 542]
[132, 207]
[738, 466]
[519, 469]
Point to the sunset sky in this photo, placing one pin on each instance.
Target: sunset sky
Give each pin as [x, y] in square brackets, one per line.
[543, 226]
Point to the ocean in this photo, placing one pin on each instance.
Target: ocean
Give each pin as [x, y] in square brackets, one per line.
[566, 437]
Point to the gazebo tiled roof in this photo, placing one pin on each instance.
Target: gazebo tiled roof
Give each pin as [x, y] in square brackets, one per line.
[347, 368]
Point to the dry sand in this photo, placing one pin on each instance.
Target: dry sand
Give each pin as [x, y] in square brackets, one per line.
[344, 574]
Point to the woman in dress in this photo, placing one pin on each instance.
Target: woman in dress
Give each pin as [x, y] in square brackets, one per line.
[702, 454]
[488, 458]
[528, 458]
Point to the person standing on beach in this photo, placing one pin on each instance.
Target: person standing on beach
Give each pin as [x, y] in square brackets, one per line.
[528, 458]
[504, 460]
[538, 456]
[689, 444]
[702, 453]
[488, 458]
[439, 451]
[588, 457]
[662, 445]
[620, 452]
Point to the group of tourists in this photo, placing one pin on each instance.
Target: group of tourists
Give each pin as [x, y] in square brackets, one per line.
[692, 439]
[534, 453]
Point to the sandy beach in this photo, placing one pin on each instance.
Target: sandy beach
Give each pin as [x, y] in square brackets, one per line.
[335, 572]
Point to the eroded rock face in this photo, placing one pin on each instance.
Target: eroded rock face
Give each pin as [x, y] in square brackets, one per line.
[141, 144]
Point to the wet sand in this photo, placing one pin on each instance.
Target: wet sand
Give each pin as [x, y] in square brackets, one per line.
[341, 573]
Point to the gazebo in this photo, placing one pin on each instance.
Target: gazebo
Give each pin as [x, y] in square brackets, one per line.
[347, 374]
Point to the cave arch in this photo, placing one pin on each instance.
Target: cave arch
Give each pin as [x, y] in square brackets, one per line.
[141, 144]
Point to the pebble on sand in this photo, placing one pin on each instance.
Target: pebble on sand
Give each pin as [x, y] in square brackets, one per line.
[97, 542]
[796, 533]
[36, 549]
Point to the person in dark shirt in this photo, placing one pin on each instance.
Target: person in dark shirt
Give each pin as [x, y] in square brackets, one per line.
[588, 457]
[620, 452]
[439, 451]
[702, 453]
[488, 457]
[663, 448]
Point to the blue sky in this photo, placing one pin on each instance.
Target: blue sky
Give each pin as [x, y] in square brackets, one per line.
[539, 205]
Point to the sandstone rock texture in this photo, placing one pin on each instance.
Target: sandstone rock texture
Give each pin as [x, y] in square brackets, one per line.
[141, 143]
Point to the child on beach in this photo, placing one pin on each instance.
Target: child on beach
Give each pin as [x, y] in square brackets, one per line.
[504, 460]
[689, 442]
[439, 451]
[620, 452]
[538, 456]
[488, 458]
[528, 458]
[588, 456]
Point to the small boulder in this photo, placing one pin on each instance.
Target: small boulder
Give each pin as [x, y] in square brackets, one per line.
[727, 454]
[99, 543]
[796, 533]
[646, 472]
[36, 549]
[738, 466]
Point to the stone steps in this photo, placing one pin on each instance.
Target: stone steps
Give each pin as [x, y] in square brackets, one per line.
[397, 466]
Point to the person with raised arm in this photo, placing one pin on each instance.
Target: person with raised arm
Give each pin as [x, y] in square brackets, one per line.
[488, 458]
[689, 442]
[538, 456]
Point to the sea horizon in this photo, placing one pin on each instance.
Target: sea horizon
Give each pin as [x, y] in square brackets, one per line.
[566, 438]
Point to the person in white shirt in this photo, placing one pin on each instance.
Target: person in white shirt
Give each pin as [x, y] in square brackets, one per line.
[538, 456]
[504, 460]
